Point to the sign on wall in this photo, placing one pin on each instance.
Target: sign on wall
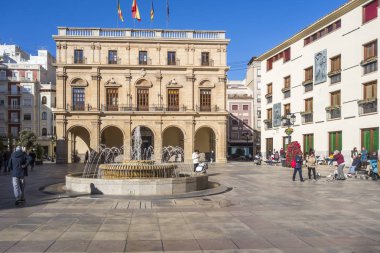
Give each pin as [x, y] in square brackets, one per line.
[277, 115]
[320, 67]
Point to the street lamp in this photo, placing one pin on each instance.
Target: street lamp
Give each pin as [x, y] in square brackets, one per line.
[288, 120]
[248, 135]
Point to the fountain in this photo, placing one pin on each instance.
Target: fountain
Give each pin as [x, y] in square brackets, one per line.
[107, 172]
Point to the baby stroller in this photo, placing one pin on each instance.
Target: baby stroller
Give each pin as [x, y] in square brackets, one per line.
[201, 168]
[374, 170]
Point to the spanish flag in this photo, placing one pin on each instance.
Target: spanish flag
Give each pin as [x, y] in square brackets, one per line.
[152, 12]
[135, 11]
[119, 11]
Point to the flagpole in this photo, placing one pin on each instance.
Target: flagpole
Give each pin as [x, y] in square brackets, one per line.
[117, 18]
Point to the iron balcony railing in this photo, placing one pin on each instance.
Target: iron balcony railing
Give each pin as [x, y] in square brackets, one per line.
[79, 107]
[367, 106]
[333, 113]
[307, 117]
[142, 108]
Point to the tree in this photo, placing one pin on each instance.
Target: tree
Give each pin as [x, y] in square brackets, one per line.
[27, 139]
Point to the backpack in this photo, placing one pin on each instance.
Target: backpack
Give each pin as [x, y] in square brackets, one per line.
[293, 163]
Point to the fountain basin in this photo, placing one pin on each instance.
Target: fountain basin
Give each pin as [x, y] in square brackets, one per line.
[136, 169]
[136, 186]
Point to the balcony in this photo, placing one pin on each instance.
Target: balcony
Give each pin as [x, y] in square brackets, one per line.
[113, 61]
[19, 79]
[269, 98]
[141, 33]
[333, 112]
[210, 108]
[307, 117]
[308, 84]
[369, 65]
[208, 63]
[139, 108]
[144, 63]
[335, 76]
[79, 60]
[78, 107]
[286, 92]
[268, 124]
[367, 106]
[14, 107]
[175, 62]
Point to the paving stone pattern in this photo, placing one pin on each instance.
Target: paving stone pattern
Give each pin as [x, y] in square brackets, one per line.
[264, 212]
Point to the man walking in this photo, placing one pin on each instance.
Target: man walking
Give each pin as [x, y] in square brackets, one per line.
[18, 164]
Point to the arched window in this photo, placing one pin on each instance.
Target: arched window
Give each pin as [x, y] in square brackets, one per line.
[44, 116]
[44, 100]
[44, 131]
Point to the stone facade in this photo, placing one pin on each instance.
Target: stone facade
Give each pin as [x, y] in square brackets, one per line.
[171, 83]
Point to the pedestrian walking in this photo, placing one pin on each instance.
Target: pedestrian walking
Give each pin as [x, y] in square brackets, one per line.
[298, 167]
[311, 163]
[6, 157]
[195, 158]
[32, 159]
[338, 157]
[18, 164]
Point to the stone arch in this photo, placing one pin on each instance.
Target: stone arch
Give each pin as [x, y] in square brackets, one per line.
[147, 142]
[173, 136]
[205, 141]
[112, 136]
[79, 142]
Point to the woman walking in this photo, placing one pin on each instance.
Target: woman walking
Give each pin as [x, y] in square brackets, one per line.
[311, 163]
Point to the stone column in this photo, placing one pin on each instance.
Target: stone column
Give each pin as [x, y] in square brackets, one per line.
[223, 81]
[221, 142]
[190, 78]
[158, 141]
[61, 89]
[127, 139]
[95, 86]
[95, 134]
[188, 142]
[61, 145]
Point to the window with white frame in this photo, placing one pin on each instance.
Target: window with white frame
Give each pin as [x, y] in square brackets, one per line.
[29, 75]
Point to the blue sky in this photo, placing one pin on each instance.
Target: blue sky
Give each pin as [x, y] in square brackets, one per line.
[253, 26]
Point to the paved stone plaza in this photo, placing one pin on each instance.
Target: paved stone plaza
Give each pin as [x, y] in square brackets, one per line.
[264, 212]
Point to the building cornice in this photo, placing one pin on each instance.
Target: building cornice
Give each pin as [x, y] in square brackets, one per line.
[316, 26]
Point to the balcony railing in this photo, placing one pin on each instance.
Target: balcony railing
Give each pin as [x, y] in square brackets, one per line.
[14, 107]
[367, 106]
[140, 108]
[333, 112]
[142, 33]
[307, 117]
[79, 107]
[209, 63]
[206, 108]
[175, 62]
[268, 124]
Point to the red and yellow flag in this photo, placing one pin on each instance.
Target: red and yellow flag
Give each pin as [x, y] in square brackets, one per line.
[135, 11]
[119, 11]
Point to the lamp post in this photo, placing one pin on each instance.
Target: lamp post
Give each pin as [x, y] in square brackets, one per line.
[289, 120]
[247, 135]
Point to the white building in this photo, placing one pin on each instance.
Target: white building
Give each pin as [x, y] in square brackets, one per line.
[327, 75]
[21, 76]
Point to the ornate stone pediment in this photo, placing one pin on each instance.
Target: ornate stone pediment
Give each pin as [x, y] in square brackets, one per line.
[78, 82]
[143, 83]
[112, 83]
[173, 84]
[206, 84]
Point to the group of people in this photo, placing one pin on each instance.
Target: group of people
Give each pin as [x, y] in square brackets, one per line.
[311, 164]
[17, 163]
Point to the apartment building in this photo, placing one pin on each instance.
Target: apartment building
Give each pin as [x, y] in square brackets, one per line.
[327, 76]
[21, 75]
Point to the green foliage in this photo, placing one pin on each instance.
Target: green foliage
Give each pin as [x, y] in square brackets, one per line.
[39, 151]
[27, 139]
